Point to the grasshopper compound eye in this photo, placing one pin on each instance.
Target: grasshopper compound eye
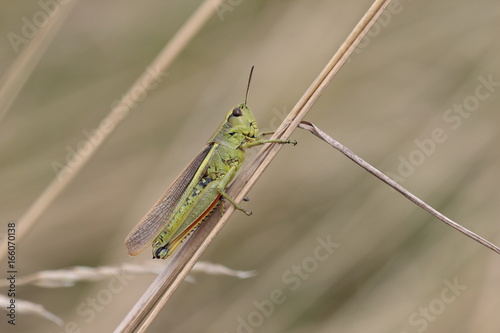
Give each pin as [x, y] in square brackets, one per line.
[237, 112]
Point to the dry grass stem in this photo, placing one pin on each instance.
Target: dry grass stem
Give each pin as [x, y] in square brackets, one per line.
[117, 114]
[146, 309]
[365, 165]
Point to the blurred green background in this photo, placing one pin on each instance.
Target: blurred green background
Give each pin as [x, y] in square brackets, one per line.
[396, 103]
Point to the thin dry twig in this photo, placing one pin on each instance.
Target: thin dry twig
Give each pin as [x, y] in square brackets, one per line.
[145, 82]
[148, 307]
[374, 171]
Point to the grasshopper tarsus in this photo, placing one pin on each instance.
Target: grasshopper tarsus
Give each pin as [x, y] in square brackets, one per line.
[247, 212]
[246, 199]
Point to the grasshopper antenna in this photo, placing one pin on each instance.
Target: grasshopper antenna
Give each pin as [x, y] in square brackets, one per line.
[248, 85]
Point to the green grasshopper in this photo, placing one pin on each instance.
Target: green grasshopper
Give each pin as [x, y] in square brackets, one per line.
[200, 186]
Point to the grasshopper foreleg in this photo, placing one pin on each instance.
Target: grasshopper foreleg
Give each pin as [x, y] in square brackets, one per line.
[251, 144]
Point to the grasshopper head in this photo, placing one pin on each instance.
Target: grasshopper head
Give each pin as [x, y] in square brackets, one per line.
[243, 120]
[238, 127]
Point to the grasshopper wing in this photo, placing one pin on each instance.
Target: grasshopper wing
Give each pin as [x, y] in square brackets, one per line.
[155, 220]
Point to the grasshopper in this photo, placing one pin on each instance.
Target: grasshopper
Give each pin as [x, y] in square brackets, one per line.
[200, 186]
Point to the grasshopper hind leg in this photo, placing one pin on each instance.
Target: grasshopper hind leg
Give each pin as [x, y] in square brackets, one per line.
[166, 250]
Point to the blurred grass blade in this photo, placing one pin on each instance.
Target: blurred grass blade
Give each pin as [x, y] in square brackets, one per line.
[17, 75]
[68, 277]
[365, 165]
